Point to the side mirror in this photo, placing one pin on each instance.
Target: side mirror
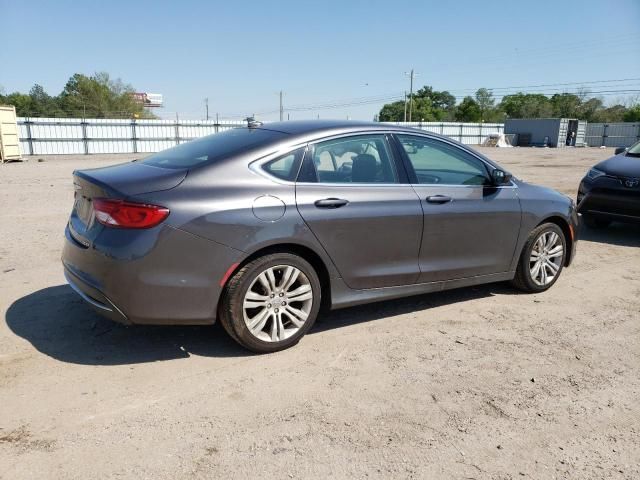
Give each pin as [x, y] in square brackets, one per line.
[500, 177]
[620, 150]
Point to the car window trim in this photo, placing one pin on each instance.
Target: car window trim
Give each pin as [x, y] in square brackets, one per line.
[256, 165]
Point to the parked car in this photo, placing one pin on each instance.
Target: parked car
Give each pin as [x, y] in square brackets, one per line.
[611, 190]
[259, 227]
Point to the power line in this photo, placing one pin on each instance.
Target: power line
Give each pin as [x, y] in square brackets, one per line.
[557, 84]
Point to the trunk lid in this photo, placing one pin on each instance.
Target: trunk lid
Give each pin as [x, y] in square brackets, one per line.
[119, 181]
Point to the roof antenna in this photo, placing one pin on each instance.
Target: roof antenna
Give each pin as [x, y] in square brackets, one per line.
[252, 122]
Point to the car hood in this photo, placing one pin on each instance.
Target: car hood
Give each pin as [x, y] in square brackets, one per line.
[621, 166]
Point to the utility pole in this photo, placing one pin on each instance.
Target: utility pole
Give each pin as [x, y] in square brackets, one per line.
[405, 105]
[411, 75]
[281, 107]
[206, 105]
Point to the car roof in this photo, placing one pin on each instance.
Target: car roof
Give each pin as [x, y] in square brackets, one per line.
[310, 127]
[310, 130]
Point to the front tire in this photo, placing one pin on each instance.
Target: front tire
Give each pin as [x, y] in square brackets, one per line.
[542, 259]
[271, 302]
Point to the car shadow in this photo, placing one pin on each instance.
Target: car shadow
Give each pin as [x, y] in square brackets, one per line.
[389, 308]
[622, 234]
[59, 324]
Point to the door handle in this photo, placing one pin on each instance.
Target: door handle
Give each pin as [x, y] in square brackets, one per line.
[439, 199]
[331, 203]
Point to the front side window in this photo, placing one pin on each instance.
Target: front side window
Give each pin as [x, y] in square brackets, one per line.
[436, 162]
[355, 159]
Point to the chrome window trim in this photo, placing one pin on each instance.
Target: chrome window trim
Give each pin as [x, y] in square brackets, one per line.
[256, 165]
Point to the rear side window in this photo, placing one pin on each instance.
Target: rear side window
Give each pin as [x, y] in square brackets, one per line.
[285, 167]
[354, 159]
[214, 147]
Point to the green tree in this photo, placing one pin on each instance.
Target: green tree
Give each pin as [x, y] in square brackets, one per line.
[527, 105]
[589, 109]
[633, 114]
[468, 111]
[429, 105]
[566, 105]
[614, 113]
[43, 104]
[392, 112]
[22, 102]
[94, 96]
[100, 96]
[486, 104]
[424, 111]
[442, 101]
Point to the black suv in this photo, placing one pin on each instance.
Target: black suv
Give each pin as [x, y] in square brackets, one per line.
[611, 190]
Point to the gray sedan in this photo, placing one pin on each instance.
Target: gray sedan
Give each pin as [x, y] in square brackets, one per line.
[260, 227]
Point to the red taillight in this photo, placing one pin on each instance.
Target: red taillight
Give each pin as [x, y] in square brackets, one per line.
[120, 214]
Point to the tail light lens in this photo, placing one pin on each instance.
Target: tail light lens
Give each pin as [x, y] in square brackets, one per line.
[120, 214]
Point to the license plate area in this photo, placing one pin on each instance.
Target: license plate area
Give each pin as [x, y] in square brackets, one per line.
[84, 209]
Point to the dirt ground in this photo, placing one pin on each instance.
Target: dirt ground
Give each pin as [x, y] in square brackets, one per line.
[477, 383]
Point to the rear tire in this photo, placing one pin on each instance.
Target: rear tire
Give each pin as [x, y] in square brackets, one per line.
[542, 259]
[592, 221]
[271, 302]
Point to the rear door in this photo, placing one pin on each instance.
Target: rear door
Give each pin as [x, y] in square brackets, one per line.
[470, 227]
[355, 197]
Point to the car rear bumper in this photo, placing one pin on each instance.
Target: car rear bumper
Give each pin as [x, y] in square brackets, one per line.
[95, 298]
[609, 200]
[161, 276]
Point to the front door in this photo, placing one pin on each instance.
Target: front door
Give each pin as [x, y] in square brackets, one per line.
[367, 219]
[470, 227]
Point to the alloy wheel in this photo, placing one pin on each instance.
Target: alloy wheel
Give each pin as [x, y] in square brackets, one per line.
[277, 303]
[546, 258]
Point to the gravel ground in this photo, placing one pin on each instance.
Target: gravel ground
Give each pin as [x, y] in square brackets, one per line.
[476, 383]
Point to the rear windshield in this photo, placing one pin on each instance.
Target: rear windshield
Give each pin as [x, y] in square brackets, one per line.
[212, 148]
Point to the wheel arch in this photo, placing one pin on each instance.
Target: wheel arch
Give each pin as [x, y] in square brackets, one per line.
[302, 251]
[569, 234]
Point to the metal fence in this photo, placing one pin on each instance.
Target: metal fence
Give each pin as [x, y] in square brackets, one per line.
[612, 134]
[51, 136]
[468, 133]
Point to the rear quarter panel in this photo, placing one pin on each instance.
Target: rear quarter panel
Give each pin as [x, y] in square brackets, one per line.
[232, 205]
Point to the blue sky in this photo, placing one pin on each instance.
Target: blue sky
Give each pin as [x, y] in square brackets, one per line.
[328, 53]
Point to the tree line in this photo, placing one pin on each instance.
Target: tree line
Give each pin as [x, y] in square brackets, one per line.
[95, 96]
[430, 105]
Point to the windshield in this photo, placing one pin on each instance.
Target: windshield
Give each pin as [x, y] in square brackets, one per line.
[634, 150]
[213, 148]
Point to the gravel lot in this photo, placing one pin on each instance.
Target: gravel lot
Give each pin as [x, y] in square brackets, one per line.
[477, 383]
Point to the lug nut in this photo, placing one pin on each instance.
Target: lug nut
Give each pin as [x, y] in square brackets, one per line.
[269, 306]
[281, 294]
[276, 310]
[284, 304]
